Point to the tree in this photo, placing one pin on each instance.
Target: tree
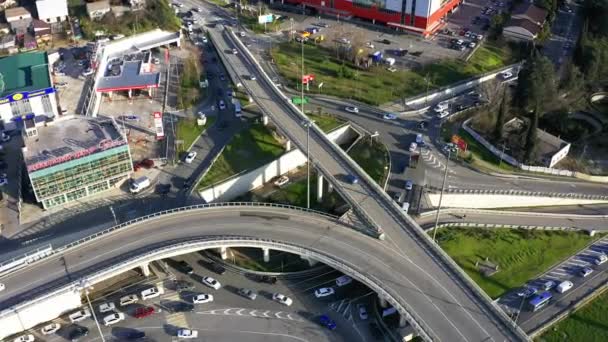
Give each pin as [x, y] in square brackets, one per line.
[536, 87]
[502, 116]
[531, 137]
[573, 81]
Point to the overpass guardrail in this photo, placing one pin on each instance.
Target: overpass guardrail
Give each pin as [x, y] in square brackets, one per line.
[415, 231]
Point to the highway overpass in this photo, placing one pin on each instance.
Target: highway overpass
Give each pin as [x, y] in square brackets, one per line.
[370, 201]
[394, 275]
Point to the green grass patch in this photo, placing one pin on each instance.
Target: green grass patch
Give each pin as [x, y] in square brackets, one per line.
[189, 131]
[326, 123]
[248, 149]
[377, 85]
[521, 254]
[589, 323]
[372, 157]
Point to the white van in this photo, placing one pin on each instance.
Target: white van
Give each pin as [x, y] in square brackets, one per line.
[344, 280]
[564, 286]
[139, 184]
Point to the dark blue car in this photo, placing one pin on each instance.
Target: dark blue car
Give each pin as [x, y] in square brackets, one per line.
[327, 322]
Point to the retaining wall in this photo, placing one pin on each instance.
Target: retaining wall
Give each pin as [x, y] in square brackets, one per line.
[245, 182]
[504, 201]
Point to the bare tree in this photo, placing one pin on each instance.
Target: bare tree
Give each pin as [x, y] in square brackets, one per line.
[492, 91]
[357, 44]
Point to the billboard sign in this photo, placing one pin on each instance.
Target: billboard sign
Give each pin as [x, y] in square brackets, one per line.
[308, 78]
[265, 19]
[158, 125]
[26, 95]
[458, 141]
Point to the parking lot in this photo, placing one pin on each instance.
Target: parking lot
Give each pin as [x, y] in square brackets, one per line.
[571, 270]
[69, 79]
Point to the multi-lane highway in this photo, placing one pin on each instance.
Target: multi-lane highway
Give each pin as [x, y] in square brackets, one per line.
[445, 317]
[472, 308]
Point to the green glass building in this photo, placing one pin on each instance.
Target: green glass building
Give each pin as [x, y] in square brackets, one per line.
[74, 158]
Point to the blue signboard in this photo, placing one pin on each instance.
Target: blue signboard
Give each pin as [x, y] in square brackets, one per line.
[26, 95]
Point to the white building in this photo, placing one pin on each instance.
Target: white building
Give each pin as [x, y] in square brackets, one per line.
[52, 11]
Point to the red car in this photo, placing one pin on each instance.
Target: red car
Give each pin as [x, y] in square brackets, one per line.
[144, 312]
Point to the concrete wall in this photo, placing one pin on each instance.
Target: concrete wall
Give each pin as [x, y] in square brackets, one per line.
[13, 322]
[460, 87]
[503, 201]
[243, 183]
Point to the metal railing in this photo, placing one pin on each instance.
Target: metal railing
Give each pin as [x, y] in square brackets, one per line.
[417, 233]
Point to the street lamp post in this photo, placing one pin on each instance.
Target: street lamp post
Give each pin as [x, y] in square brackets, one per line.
[445, 177]
[307, 124]
[85, 286]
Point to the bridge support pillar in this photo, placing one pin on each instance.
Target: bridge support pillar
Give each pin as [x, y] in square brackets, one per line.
[320, 188]
[288, 145]
[266, 254]
[265, 120]
[402, 321]
[224, 253]
[383, 302]
[145, 269]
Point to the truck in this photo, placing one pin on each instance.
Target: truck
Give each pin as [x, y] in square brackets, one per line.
[139, 184]
[377, 56]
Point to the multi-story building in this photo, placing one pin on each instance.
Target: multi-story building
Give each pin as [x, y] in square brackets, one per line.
[74, 157]
[421, 16]
[26, 89]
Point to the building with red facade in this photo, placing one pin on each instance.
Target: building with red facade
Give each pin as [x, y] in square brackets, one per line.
[421, 16]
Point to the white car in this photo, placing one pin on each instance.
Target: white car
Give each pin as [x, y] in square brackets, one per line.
[25, 338]
[80, 315]
[235, 51]
[222, 105]
[187, 333]
[283, 299]
[150, 293]
[252, 78]
[413, 147]
[363, 312]
[352, 109]
[107, 307]
[242, 34]
[343, 280]
[602, 258]
[50, 329]
[130, 299]
[212, 283]
[442, 114]
[389, 116]
[204, 40]
[2, 287]
[202, 299]
[113, 318]
[506, 75]
[324, 292]
[190, 157]
[585, 271]
[281, 181]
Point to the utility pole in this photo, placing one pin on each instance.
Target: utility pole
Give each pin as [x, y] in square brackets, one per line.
[445, 176]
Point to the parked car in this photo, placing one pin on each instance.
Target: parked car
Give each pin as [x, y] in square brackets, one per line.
[129, 299]
[386, 41]
[202, 298]
[222, 105]
[79, 315]
[182, 285]
[564, 286]
[327, 322]
[248, 293]
[389, 116]
[214, 266]
[351, 109]
[50, 329]
[343, 280]
[527, 291]
[187, 333]
[113, 318]
[135, 335]
[363, 312]
[106, 307]
[265, 279]
[189, 159]
[212, 283]
[144, 312]
[409, 185]
[25, 338]
[283, 299]
[281, 181]
[585, 271]
[76, 332]
[602, 258]
[548, 285]
[324, 292]
[151, 292]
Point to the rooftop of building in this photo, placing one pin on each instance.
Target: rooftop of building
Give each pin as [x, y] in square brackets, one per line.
[16, 12]
[98, 5]
[69, 138]
[129, 72]
[530, 11]
[24, 72]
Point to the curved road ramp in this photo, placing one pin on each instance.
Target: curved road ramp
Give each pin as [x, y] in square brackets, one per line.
[438, 305]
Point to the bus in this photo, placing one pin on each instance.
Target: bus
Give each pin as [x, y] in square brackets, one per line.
[539, 301]
[237, 107]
